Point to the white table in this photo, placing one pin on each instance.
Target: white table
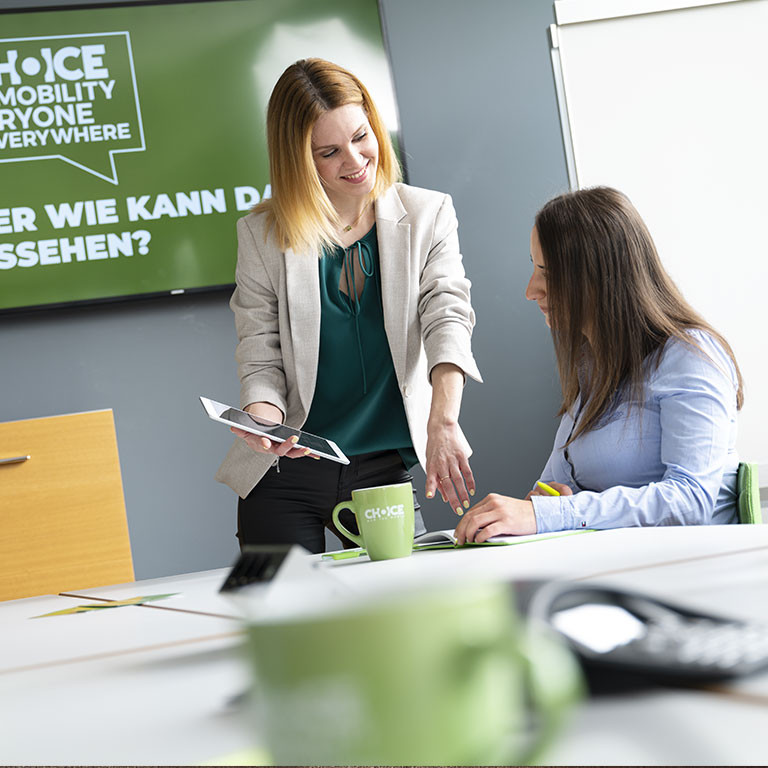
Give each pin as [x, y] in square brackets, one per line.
[28, 641]
[167, 705]
[151, 686]
[148, 684]
[592, 555]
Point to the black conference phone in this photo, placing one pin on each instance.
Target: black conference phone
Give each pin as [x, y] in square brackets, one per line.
[627, 639]
[257, 563]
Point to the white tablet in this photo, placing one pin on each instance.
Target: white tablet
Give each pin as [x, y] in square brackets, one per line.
[234, 417]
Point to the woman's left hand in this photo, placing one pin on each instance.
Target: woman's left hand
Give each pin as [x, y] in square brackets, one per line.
[448, 467]
[496, 515]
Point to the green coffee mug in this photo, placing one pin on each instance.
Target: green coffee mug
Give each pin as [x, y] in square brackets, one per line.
[438, 677]
[384, 517]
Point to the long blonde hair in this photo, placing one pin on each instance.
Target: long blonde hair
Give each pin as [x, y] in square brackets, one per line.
[299, 210]
[603, 273]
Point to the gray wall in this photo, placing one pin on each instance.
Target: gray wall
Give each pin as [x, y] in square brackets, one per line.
[479, 121]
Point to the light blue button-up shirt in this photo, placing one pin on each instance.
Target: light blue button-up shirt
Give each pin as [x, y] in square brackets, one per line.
[672, 461]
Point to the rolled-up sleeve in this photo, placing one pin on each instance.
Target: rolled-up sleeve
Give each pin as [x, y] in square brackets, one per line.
[445, 309]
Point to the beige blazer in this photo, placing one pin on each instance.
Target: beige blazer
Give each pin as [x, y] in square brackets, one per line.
[428, 317]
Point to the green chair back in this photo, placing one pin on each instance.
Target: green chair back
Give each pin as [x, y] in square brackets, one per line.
[749, 494]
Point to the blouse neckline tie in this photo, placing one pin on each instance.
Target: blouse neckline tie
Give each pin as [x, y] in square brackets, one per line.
[368, 267]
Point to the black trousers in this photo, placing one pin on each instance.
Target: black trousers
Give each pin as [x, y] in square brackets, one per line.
[294, 505]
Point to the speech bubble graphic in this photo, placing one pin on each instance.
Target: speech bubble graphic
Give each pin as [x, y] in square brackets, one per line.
[69, 97]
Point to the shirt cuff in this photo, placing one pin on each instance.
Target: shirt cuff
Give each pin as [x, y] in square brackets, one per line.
[553, 513]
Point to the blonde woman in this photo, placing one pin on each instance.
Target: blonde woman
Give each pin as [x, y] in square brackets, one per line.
[353, 315]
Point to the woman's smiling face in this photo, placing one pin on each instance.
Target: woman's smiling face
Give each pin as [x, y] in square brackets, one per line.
[346, 154]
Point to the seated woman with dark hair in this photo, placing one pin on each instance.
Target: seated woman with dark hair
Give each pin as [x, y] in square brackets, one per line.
[650, 389]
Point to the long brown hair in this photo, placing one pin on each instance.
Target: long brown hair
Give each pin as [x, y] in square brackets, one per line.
[299, 210]
[612, 305]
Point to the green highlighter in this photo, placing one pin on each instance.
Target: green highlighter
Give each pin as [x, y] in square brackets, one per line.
[345, 554]
[548, 489]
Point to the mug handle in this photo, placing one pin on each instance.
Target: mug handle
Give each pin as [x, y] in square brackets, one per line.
[335, 515]
[555, 684]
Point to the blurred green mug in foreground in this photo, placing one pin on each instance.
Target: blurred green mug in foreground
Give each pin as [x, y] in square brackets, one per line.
[385, 518]
[440, 677]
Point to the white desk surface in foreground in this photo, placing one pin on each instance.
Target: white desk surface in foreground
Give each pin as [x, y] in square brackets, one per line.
[163, 706]
[153, 687]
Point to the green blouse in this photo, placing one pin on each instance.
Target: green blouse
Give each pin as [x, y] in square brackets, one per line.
[357, 401]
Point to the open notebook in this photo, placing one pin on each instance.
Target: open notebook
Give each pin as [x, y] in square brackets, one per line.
[446, 539]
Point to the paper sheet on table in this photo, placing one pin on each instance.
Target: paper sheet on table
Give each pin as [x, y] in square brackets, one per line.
[446, 540]
[108, 604]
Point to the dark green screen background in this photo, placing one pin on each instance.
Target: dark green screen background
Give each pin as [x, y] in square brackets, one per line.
[203, 121]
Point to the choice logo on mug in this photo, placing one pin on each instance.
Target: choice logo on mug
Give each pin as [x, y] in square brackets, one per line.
[384, 516]
[377, 513]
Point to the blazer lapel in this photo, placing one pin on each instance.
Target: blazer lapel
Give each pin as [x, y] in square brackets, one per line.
[303, 294]
[394, 238]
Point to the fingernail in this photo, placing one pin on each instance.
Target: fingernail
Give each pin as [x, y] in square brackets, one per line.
[316, 458]
[294, 439]
[459, 511]
[307, 451]
[430, 494]
[471, 491]
[466, 504]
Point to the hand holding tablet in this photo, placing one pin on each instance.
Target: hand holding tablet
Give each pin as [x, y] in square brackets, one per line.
[234, 417]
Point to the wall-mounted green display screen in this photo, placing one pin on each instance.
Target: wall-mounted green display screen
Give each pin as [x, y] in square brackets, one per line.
[132, 137]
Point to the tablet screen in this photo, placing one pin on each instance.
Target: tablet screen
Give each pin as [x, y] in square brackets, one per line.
[278, 431]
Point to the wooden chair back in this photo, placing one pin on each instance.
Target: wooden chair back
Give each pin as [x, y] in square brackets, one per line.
[62, 513]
